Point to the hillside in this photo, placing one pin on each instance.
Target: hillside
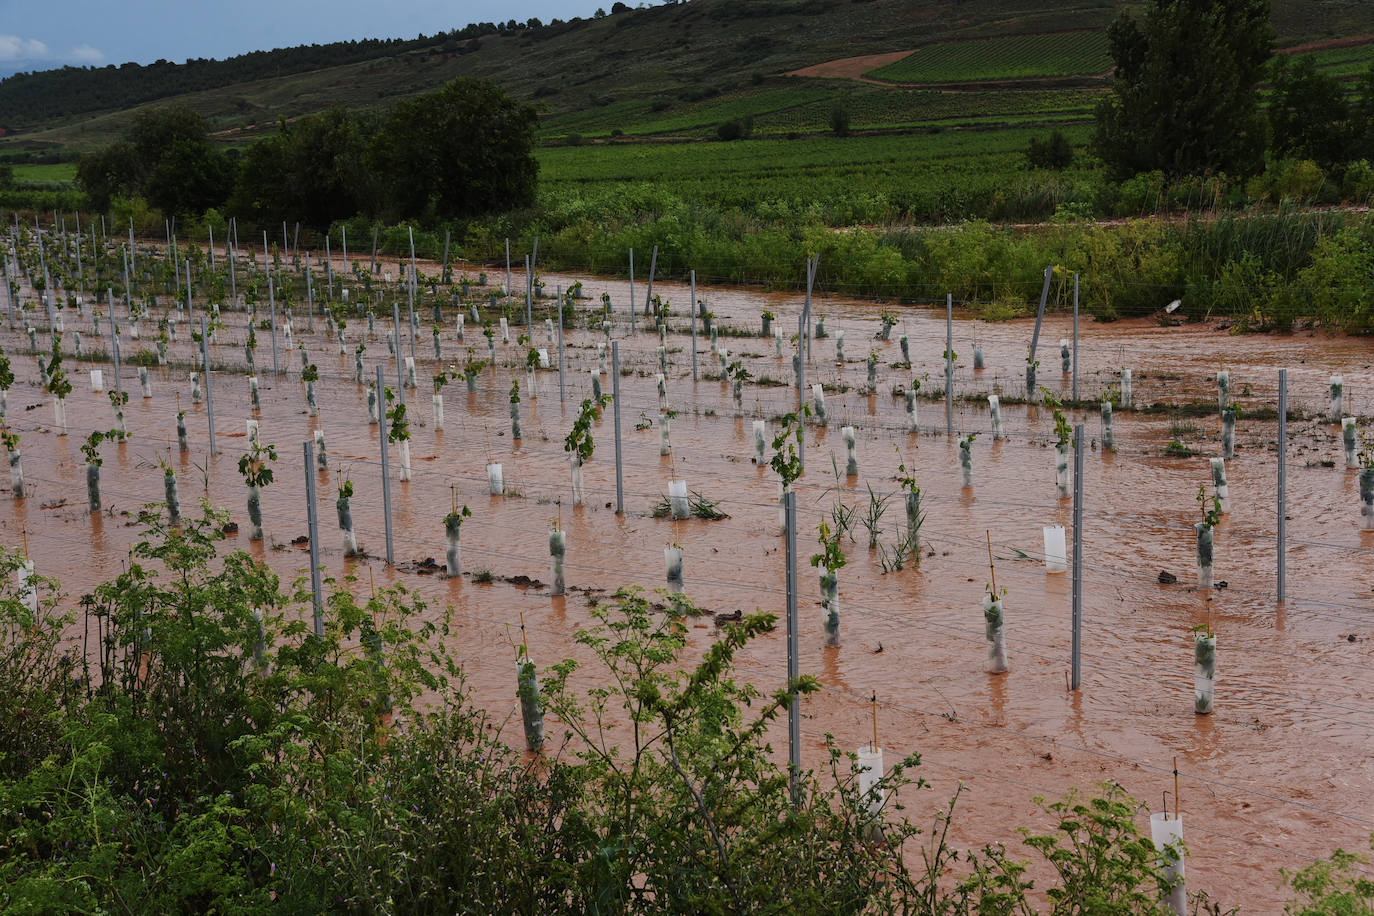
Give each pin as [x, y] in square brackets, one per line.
[673, 71]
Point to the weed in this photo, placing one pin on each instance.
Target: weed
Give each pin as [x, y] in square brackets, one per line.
[1176, 449]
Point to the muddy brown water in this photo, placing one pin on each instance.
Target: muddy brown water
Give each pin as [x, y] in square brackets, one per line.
[1280, 774]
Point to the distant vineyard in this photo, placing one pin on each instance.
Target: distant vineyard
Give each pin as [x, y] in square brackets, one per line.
[1007, 57]
[1344, 63]
[778, 112]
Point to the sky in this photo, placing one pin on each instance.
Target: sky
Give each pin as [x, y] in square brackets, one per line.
[40, 34]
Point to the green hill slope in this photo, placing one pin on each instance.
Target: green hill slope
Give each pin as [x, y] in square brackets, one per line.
[666, 71]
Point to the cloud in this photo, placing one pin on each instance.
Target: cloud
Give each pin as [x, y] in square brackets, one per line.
[12, 47]
[85, 54]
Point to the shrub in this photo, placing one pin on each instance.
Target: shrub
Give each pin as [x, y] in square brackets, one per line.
[1055, 152]
[730, 130]
[1298, 180]
[1338, 281]
[839, 119]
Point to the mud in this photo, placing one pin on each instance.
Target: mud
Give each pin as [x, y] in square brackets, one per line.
[1280, 774]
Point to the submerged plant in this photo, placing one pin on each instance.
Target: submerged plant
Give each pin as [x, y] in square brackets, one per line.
[255, 466]
[831, 556]
[90, 449]
[698, 506]
[877, 505]
[579, 440]
[786, 460]
[399, 430]
[57, 383]
[1210, 506]
[910, 543]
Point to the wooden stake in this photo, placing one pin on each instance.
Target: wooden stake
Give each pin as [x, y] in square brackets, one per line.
[991, 566]
[371, 582]
[1175, 787]
[874, 701]
[25, 533]
[452, 499]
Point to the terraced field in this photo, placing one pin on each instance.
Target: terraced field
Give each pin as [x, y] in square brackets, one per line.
[1343, 63]
[1007, 57]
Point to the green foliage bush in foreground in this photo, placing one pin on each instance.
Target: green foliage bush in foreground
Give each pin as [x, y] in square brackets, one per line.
[210, 754]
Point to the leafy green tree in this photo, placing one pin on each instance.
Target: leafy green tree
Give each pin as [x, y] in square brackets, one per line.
[189, 177]
[1185, 97]
[314, 170]
[166, 157]
[1053, 153]
[1308, 114]
[840, 119]
[730, 130]
[1362, 116]
[107, 173]
[464, 150]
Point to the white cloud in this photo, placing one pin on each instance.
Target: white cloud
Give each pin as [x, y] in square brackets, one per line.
[85, 54]
[12, 47]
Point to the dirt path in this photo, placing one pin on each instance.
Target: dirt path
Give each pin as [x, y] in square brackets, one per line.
[852, 68]
[1330, 44]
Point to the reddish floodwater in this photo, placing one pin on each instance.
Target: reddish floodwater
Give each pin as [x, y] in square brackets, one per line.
[1279, 774]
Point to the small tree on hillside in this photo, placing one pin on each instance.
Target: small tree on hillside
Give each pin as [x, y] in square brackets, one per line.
[839, 119]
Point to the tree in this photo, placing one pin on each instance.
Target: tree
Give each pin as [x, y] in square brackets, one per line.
[107, 173]
[464, 150]
[167, 157]
[1362, 116]
[730, 130]
[839, 119]
[314, 170]
[1308, 114]
[189, 177]
[1185, 96]
[1054, 153]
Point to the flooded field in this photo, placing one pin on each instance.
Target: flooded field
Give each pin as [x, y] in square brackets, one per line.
[1279, 774]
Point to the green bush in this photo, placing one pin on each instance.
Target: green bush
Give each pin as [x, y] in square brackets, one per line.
[1339, 282]
[1338, 886]
[1298, 180]
[212, 754]
[1054, 152]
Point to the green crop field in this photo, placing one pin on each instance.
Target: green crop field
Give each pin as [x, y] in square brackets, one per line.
[1008, 57]
[805, 106]
[1344, 63]
[834, 181]
[669, 162]
[57, 173]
